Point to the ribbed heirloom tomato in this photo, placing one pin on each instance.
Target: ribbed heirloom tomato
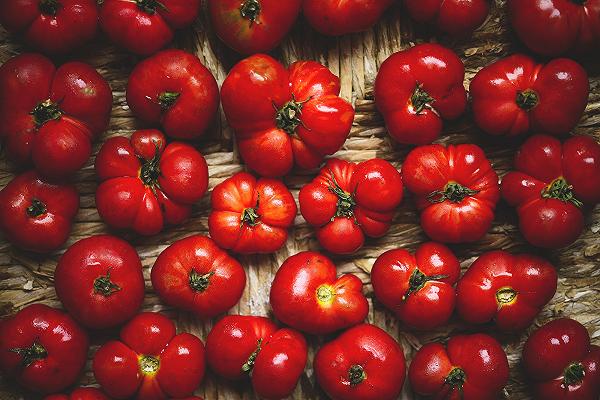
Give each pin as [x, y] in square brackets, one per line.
[79, 394]
[283, 117]
[307, 295]
[453, 17]
[335, 17]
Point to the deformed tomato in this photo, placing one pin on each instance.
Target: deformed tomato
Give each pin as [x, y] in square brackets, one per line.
[335, 17]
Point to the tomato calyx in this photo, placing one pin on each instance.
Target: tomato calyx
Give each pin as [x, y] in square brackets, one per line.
[573, 374]
[45, 111]
[250, 215]
[104, 286]
[150, 6]
[453, 191]
[200, 282]
[356, 374]
[527, 99]
[49, 7]
[420, 99]
[456, 378]
[150, 171]
[36, 208]
[287, 117]
[149, 365]
[30, 354]
[418, 280]
[325, 294]
[560, 189]
[249, 364]
[346, 203]
[579, 2]
[506, 296]
[167, 100]
[250, 9]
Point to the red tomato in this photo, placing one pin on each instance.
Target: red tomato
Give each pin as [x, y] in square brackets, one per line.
[49, 116]
[80, 394]
[363, 363]
[175, 90]
[51, 26]
[253, 26]
[195, 275]
[283, 117]
[419, 288]
[515, 95]
[335, 17]
[99, 281]
[349, 201]
[561, 362]
[550, 185]
[307, 295]
[145, 26]
[36, 215]
[147, 184]
[508, 289]
[239, 346]
[417, 89]
[150, 362]
[470, 367]
[453, 17]
[42, 348]
[250, 215]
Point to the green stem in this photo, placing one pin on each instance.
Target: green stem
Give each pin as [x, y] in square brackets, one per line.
[287, 117]
[454, 192]
[573, 374]
[104, 286]
[250, 9]
[249, 364]
[506, 295]
[30, 354]
[251, 216]
[356, 374]
[44, 112]
[456, 379]
[167, 100]
[149, 365]
[420, 99]
[418, 280]
[199, 282]
[527, 99]
[36, 208]
[49, 7]
[345, 203]
[325, 294]
[150, 6]
[560, 189]
[150, 171]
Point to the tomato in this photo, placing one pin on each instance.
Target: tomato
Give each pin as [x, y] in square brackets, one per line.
[150, 361]
[550, 185]
[49, 116]
[283, 117]
[147, 184]
[363, 363]
[36, 215]
[419, 288]
[195, 275]
[335, 17]
[253, 26]
[453, 17]
[87, 393]
[561, 363]
[456, 190]
[145, 26]
[175, 90]
[42, 349]
[349, 201]
[250, 215]
[470, 367]
[417, 89]
[239, 346]
[516, 95]
[307, 295]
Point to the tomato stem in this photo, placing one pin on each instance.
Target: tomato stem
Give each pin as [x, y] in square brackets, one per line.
[356, 374]
[287, 117]
[30, 354]
[250, 10]
[456, 378]
[149, 365]
[150, 171]
[560, 189]
[150, 6]
[44, 112]
[579, 2]
[325, 294]
[454, 192]
[573, 374]
[167, 100]
[506, 295]
[251, 216]
[417, 280]
[199, 282]
[49, 7]
[345, 203]
[104, 286]
[248, 365]
[36, 208]
[420, 99]
[527, 99]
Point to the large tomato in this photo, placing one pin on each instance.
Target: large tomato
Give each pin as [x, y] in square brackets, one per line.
[349, 201]
[79, 394]
[419, 288]
[240, 346]
[456, 190]
[42, 348]
[516, 95]
[307, 295]
[146, 184]
[250, 215]
[550, 185]
[339, 17]
[417, 89]
[49, 116]
[175, 90]
[194, 274]
[283, 117]
[453, 17]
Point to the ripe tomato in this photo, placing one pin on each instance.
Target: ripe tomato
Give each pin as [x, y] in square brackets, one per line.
[240, 346]
[470, 367]
[335, 17]
[417, 89]
[253, 26]
[456, 190]
[42, 348]
[515, 95]
[561, 362]
[307, 295]
[150, 362]
[250, 215]
[453, 17]
[550, 185]
[419, 288]
[285, 116]
[146, 183]
[145, 26]
[87, 393]
[195, 275]
[349, 201]
[175, 90]
[49, 116]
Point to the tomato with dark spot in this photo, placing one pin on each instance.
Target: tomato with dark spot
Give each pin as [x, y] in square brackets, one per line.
[335, 17]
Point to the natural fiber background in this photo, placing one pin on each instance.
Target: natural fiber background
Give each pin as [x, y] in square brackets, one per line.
[27, 279]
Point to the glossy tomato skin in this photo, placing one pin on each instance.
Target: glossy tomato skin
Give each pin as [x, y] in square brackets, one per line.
[456, 190]
[516, 95]
[419, 288]
[477, 363]
[42, 349]
[349, 201]
[551, 185]
[240, 346]
[175, 90]
[87, 393]
[49, 116]
[195, 275]
[417, 89]
[457, 18]
[251, 215]
[561, 363]
[285, 117]
[335, 18]
[150, 361]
